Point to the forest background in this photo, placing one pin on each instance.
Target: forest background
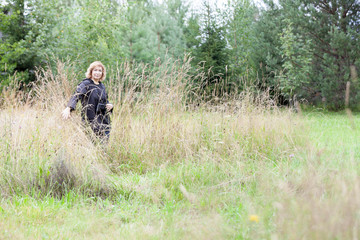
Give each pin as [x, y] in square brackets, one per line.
[300, 50]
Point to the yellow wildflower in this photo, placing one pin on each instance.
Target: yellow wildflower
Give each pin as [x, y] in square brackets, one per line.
[254, 218]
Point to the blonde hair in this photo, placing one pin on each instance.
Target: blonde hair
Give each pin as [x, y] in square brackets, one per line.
[94, 65]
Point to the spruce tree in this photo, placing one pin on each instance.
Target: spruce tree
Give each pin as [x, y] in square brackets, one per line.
[211, 53]
[266, 47]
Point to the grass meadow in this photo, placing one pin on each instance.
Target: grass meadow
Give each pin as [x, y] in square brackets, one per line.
[174, 167]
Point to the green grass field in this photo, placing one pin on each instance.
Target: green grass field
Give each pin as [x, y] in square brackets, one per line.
[245, 171]
[212, 195]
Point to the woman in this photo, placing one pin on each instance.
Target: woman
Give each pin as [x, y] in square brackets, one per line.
[95, 105]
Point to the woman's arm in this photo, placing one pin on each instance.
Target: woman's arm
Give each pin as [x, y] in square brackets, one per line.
[80, 92]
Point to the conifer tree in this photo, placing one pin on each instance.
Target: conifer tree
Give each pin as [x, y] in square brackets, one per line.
[211, 52]
[333, 27]
[266, 47]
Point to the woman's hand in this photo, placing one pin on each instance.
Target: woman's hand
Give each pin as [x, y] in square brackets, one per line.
[66, 113]
[109, 106]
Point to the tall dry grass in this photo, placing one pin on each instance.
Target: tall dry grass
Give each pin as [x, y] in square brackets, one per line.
[238, 147]
[170, 122]
[41, 153]
[151, 126]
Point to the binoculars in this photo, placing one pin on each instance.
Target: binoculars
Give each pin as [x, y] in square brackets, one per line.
[101, 108]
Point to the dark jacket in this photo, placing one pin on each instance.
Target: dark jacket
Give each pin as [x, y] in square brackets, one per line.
[93, 100]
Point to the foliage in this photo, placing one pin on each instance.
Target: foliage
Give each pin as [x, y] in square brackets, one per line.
[27, 37]
[266, 47]
[302, 48]
[211, 53]
[297, 64]
[84, 32]
[324, 36]
[239, 18]
[12, 49]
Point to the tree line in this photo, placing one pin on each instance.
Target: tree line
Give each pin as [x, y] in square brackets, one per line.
[304, 50]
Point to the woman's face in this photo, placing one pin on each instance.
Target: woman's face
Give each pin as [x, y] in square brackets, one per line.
[97, 73]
